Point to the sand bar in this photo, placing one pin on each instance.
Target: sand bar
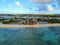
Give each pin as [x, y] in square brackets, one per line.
[22, 26]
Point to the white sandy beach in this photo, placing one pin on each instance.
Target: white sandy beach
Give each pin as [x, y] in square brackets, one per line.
[21, 26]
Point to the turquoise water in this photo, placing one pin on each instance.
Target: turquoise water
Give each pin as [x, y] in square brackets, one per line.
[30, 36]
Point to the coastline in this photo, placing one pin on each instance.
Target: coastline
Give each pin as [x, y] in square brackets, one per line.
[22, 26]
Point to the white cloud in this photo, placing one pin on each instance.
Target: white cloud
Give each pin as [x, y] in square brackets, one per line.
[41, 1]
[17, 3]
[50, 8]
[21, 5]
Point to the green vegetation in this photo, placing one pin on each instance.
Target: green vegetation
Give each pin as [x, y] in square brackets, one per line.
[9, 21]
[30, 18]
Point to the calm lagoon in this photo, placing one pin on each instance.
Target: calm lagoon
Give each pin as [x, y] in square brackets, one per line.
[30, 36]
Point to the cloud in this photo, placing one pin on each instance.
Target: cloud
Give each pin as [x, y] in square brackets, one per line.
[17, 3]
[21, 5]
[42, 7]
[41, 1]
[50, 8]
[58, 2]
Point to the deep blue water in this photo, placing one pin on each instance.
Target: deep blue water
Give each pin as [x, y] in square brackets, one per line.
[30, 36]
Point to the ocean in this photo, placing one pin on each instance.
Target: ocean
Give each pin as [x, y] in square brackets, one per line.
[30, 36]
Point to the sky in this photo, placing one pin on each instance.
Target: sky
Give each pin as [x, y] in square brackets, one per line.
[30, 6]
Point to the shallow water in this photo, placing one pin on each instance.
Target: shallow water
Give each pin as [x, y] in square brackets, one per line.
[30, 36]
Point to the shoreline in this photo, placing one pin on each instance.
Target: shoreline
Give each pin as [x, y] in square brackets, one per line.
[22, 26]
